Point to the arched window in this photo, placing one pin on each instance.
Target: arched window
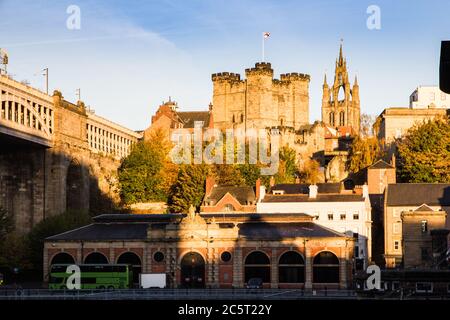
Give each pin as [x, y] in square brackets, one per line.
[291, 268]
[242, 118]
[257, 265]
[331, 118]
[229, 208]
[234, 119]
[281, 122]
[63, 258]
[341, 93]
[95, 258]
[326, 268]
[342, 118]
[135, 262]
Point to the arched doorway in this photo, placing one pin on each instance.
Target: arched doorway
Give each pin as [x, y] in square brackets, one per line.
[134, 260]
[62, 258]
[291, 268]
[95, 258]
[193, 270]
[326, 268]
[74, 187]
[257, 265]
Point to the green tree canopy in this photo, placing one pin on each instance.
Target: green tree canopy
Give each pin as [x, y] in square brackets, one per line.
[424, 153]
[189, 188]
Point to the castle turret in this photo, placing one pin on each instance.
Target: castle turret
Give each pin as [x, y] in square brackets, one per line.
[260, 112]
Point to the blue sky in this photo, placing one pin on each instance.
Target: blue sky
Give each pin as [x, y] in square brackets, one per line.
[129, 56]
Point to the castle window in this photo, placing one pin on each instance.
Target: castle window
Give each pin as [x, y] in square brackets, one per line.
[424, 226]
[341, 118]
[331, 118]
[242, 118]
[234, 119]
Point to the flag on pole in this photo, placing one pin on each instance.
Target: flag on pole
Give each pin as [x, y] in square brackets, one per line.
[266, 35]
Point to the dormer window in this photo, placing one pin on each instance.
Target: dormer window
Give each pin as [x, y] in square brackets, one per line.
[229, 208]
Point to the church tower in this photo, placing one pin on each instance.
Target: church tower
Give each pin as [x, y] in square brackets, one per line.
[340, 102]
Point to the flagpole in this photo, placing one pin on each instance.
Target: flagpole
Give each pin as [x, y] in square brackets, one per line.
[263, 47]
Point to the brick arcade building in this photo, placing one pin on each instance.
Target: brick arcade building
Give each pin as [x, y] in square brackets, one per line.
[217, 250]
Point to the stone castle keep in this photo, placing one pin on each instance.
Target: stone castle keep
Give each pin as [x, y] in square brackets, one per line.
[260, 101]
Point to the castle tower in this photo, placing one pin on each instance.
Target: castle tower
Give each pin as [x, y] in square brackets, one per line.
[260, 101]
[340, 103]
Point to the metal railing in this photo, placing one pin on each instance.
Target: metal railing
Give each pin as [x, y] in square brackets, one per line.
[174, 294]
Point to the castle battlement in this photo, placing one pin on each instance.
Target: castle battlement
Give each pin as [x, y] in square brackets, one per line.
[226, 76]
[294, 76]
[260, 68]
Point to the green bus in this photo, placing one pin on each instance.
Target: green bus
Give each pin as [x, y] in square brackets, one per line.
[93, 276]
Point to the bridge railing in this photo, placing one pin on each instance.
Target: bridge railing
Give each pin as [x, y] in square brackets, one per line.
[25, 112]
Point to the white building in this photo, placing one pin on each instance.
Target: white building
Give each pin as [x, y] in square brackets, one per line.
[425, 97]
[343, 211]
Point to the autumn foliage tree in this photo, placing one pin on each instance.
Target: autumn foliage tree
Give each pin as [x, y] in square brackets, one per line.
[147, 173]
[363, 153]
[424, 153]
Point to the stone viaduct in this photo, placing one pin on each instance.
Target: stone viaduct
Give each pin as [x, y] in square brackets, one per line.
[55, 155]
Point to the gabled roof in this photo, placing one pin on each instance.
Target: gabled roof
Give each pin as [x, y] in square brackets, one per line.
[416, 194]
[243, 194]
[424, 207]
[190, 117]
[381, 164]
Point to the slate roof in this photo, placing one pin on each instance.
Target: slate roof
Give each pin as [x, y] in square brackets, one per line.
[243, 194]
[285, 230]
[424, 207]
[416, 194]
[319, 198]
[381, 164]
[190, 117]
[105, 231]
[303, 188]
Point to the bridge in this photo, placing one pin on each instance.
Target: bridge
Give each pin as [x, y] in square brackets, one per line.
[55, 155]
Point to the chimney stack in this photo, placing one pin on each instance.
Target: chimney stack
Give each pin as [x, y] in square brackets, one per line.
[313, 189]
[365, 191]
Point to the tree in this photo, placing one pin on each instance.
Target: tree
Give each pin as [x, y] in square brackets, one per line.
[424, 153]
[363, 153]
[228, 174]
[287, 169]
[50, 227]
[367, 122]
[14, 252]
[189, 188]
[6, 223]
[147, 173]
[310, 172]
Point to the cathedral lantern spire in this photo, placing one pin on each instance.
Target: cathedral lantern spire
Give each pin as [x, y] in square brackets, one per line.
[340, 101]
